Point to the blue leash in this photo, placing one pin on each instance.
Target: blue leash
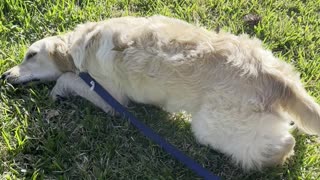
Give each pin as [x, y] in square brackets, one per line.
[145, 130]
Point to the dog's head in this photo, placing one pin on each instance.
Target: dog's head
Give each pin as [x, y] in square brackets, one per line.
[45, 60]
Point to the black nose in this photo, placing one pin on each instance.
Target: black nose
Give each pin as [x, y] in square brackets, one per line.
[4, 75]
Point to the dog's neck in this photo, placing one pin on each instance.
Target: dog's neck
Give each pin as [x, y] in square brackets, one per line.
[62, 56]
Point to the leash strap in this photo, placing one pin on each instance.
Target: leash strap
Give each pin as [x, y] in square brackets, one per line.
[145, 130]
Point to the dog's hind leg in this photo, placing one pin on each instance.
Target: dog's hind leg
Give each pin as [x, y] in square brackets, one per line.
[252, 139]
[71, 84]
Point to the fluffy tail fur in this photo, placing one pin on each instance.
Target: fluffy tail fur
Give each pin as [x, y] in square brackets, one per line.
[284, 86]
[305, 110]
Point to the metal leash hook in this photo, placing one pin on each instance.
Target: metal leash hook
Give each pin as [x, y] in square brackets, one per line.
[92, 83]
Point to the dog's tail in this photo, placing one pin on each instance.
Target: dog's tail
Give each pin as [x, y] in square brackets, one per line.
[296, 101]
[305, 109]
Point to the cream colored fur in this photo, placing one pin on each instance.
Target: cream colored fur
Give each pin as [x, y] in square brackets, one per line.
[240, 96]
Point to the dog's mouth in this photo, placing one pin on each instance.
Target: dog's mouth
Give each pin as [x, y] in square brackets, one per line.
[30, 81]
[13, 82]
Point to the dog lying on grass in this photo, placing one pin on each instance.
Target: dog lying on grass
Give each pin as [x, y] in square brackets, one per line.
[240, 96]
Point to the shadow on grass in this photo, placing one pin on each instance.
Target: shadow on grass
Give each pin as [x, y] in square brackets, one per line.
[73, 139]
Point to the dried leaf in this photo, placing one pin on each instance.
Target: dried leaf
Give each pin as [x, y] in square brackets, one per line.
[252, 19]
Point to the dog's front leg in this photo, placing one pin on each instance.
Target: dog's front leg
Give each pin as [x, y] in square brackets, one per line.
[71, 84]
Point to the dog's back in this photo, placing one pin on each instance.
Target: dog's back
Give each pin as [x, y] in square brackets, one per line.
[169, 56]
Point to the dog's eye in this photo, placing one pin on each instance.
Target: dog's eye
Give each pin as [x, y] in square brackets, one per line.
[30, 55]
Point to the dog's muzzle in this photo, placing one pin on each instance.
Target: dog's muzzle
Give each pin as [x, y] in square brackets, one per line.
[6, 76]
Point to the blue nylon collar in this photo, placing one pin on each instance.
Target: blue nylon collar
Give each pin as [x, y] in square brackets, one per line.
[146, 131]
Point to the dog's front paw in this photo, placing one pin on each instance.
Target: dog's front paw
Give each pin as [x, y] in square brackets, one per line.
[60, 98]
[56, 95]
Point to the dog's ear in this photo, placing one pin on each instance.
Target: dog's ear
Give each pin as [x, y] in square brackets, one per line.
[62, 57]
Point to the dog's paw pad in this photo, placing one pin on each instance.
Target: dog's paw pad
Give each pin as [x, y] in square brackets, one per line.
[60, 98]
[57, 97]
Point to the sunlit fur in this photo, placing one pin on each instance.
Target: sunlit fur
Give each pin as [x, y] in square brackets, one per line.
[240, 96]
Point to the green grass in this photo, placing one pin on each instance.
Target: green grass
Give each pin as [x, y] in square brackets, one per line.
[41, 139]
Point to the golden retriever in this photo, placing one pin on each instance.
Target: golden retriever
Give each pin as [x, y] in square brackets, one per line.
[240, 96]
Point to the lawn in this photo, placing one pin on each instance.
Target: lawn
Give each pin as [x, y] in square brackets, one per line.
[42, 139]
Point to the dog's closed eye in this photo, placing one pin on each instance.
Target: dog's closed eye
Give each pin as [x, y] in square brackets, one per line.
[30, 55]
